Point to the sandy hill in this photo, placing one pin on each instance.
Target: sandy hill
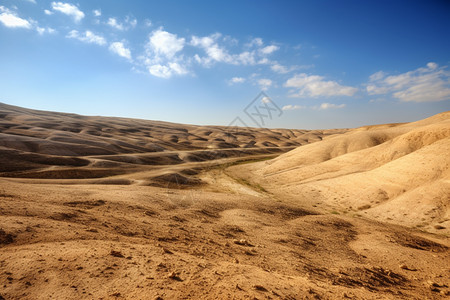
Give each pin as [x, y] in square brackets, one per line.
[395, 172]
[78, 146]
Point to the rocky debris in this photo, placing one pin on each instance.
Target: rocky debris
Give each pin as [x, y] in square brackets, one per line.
[167, 251]
[405, 267]
[175, 276]
[243, 242]
[260, 288]
[6, 238]
[116, 253]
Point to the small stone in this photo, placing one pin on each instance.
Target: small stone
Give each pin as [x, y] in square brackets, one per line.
[167, 251]
[259, 288]
[175, 276]
[116, 253]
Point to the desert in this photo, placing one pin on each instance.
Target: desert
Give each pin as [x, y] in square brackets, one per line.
[113, 208]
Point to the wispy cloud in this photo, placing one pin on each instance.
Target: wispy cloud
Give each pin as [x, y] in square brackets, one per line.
[120, 49]
[114, 24]
[68, 9]
[127, 24]
[265, 83]
[87, 37]
[428, 84]
[42, 30]
[331, 106]
[10, 19]
[237, 80]
[279, 68]
[292, 107]
[316, 86]
[214, 52]
[269, 49]
[97, 12]
[167, 71]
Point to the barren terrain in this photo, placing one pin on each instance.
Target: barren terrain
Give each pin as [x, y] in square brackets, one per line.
[115, 208]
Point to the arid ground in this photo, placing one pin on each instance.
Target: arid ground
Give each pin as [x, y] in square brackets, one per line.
[115, 208]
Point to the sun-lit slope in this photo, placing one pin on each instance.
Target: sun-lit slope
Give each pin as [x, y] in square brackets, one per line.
[391, 172]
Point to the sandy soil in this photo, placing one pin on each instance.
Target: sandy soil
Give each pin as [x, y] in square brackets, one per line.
[110, 208]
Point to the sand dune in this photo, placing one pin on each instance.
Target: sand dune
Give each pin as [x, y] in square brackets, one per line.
[397, 173]
[116, 208]
[32, 141]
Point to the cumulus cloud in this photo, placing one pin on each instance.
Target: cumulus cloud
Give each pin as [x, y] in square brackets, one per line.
[316, 86]
[48, 12]
[68, 9]
[216, 53]
[10, 19]
[120, 49]
[264, 83]
[427, 84]
[164, 43]
[161, 58]
[330, 106]
[97, 12]
[237, 80]
[292, 107]
[87, 37]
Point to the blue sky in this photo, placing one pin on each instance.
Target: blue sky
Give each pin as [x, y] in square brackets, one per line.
[323, 63]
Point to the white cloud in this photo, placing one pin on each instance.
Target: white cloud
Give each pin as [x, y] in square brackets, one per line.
[42, 30]
[265, 100]
[246, 58]
[269, 49]
[87, 37]
[237, 80]
[97, 12]
[316, 86]
[167, 71]
[120, 49]
[147, 23]
[255, 42]
[48, 12]
[131, 21]
[214, 52]
[68, 9]
[10, 19]
[264, 83]
[292, 107]
[279, 68]
[330, 106]
[113, 23]
[429, 84]
[31, 1]
[165, 43]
